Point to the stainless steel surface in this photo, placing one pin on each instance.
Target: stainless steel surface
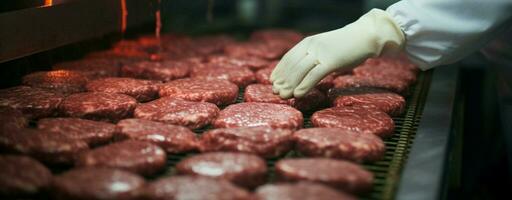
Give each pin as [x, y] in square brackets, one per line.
[424, 174]
[33, 30]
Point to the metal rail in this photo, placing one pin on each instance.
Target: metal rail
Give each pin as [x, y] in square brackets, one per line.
[33, 30]
[424, 174]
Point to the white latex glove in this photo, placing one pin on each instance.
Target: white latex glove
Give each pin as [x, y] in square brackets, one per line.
[313, 58]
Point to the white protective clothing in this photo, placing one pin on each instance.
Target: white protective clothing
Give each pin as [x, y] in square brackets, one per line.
[318, 55]
[436, 32]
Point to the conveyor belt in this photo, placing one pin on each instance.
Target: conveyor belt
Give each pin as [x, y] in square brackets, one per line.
[387, 171]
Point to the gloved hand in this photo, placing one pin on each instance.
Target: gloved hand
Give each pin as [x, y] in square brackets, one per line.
[313, 58]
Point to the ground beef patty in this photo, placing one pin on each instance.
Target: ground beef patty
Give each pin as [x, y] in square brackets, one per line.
[385, 71]
[172, 138]
[263, 93]
[178, 112]
[371, 98]
[241, 76]
[263, 75]
[22, 176]
[392, 84]
[93, 68]
[142, 90]
[242, 169]
[339, 174]
[263, 141]
[60, 81]
[134, 156]
[259, 114]
[92, 132]
[268, 51]
[358, 119]
[98, 106]
[213, 44]
[163, 71]
[301, 190]
[252, 63]
[50, 148]
[339, 143]
[32, 102]
[11, 119]
[96, 184]
[194, 187]
[219, 92]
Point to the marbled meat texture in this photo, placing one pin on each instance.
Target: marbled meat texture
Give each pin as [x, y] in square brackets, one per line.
[338, 174]
[47, 147]
[219, 92]
[163, 71]
[263, 141]
[135, 156]
[94, 68]
[392, 84]
[142, 90]
[269, 51]
[242, 169]
[98, 106]
[213, 44]
[253, 63]
[32, 102]
[172, 138]
[385, 69]
[97, 184]
[241, 76]
[259, 114]
[371, 98]
[300, 190]
[358, 119]
[178, 112]
[59, 81]
[92, 132]
[339, 143]
[313, 100]
[194, 187]
[22, 176]
[11, 119]
[263, 75]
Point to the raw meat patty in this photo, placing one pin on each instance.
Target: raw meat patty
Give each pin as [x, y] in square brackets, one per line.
[134, 156]
[50, 148]
[252, 63]
[263, 93]
[263, 141]
[194, 187]
[269, 51]
[163, 71]
[172, 138]
[11, 119]
[178, 112]
[382, 69]
[392, 84]
[242, 169]
[97, 184]
[60, 81]
[93, 68]
[339, 143]
[142, 90]
[263, 75]
[358, 119]
[22, 176]
[339, 174]
[32, 102]
[259, 114]
[219, 92]
[208, 45]
[98, 106]
[92, 132]
[241, 76]
[301, 190]
[388, 102]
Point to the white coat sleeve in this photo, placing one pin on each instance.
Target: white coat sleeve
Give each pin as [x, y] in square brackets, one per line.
[439, 32]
